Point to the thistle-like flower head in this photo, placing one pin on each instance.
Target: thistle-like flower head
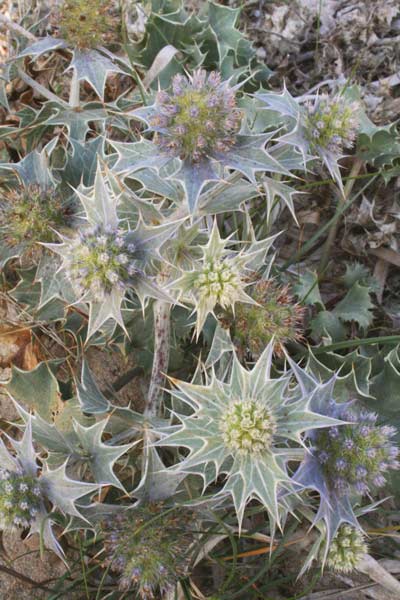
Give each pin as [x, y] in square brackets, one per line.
[20, 499]
[103, 260]
[276, 315]
[332, 123]
[346, 549]
[355, 457]
[240, 427]
[25, 490]
[198, 116]
[322, 128]
[220, 277]
[197, 121]
[149, 548]
[29, 215]
[83, 28]
[86, 25]
[344, 460]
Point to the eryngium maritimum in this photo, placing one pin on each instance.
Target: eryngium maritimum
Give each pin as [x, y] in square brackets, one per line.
[149, 548]
[221, 277]
[355, 457]
[29, 215]
[100, 260]
[197, 117]
[87, 25]
[332, 123]
[20, 499]
[346, 550]
[240, 427]
[276, 315]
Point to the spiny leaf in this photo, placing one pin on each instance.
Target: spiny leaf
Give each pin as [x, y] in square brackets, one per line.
[356, 306]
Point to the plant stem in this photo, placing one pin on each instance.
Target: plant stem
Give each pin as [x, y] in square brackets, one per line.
[343, 197]
[40, 88]
[17, 28]
[74, 99]
[162, 328]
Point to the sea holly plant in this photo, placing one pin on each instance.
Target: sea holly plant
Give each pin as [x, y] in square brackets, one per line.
[241, 427]
[345, 462]
[176, 339]
[323, 127]
[29, 495]
[84, 31]
[104, 260]
[220, 277]
[198, 122]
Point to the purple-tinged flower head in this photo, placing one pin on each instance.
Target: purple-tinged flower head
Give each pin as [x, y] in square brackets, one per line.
[199, 116]
[346, 549]
[332, 123]
[149, 548]
[99, 260]
[356, 454]
[19, 503]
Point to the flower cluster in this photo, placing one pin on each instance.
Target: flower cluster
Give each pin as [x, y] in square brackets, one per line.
[29, 215]
[197, 117]
[20, 498]
[332, 123]
[276, 315]
[100, 260]
[86, 25]
[247, 427]
[217, 281]
[346, 549]
[148, 548]
[355, 456]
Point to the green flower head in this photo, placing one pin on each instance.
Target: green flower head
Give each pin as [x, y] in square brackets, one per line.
[220, 277]
[346, 550]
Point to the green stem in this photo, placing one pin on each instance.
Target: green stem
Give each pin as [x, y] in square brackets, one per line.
[343, 197]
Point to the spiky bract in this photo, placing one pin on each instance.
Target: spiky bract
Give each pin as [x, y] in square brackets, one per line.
[241, 427]
[149, 548]
[346, 550]
[198, 116]
[104, 260]
[221, 276]
[20, 496]
[332, 123]
[276, 315]
[87, 25]
[355, 457]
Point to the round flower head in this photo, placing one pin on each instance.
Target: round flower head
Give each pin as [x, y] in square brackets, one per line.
[149, 548]
[20, 499]
[355, 456]
[276, 315]
[198, 116]
[87, 25]
[248, 427]
[100, 260]
[332, 123]
[29, 215]
[346, 549]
